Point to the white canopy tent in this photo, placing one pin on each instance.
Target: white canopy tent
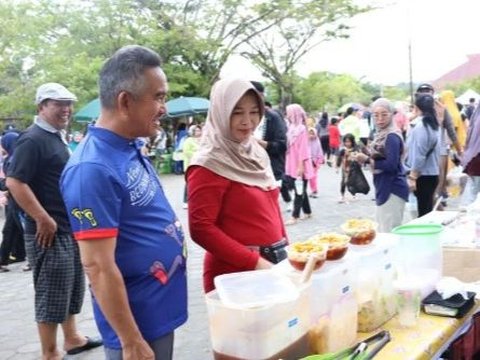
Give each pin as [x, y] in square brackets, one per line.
[467, 95]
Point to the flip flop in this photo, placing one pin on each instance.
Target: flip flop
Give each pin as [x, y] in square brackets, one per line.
[90, 344]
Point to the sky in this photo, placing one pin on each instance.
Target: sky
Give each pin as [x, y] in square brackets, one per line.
[442, 33]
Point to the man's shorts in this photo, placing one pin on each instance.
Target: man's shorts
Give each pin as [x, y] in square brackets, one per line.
[58, 278]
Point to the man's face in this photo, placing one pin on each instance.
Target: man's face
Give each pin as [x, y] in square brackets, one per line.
[56, 112]
[425, 91]
[149, 106]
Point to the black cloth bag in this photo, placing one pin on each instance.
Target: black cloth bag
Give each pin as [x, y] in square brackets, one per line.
[356, 181]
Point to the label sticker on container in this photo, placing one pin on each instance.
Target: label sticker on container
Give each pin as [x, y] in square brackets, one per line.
[293, 322]
[345, 289]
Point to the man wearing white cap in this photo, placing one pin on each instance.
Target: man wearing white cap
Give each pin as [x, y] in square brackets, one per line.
[40, 156]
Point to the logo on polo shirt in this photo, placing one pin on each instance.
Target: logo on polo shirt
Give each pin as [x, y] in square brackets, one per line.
[85, 214]
[141, 187]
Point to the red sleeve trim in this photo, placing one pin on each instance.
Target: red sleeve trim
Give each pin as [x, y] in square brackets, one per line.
[95, 234]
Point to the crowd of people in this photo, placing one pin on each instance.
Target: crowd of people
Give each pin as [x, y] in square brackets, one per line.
[94, 205]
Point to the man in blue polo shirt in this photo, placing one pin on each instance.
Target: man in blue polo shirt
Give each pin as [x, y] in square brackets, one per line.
[131, 243]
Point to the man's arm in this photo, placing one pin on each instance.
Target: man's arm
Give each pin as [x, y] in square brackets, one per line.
[277, 144]
[448, 125]
[26, 199]
[98, 260]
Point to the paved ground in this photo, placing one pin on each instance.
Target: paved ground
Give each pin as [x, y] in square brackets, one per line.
[18, 336]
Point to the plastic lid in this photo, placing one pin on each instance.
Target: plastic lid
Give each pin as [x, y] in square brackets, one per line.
[420, 229]
[258, 288]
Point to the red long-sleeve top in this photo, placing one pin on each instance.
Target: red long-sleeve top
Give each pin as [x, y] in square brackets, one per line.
[334, 136]
[225, 217]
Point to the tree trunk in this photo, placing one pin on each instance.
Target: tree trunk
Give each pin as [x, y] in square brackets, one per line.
[285, 96]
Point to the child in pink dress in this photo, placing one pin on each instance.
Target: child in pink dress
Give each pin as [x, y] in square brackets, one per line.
[316, 153]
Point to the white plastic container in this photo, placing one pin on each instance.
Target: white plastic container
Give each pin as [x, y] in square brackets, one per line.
[269, 332]
[250, 289]
[375, 274]
[420, 254]
[333, 312]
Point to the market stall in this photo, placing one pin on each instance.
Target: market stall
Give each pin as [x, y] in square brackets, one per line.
[363, 283]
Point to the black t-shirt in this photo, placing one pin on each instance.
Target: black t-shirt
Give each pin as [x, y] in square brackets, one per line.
[40, 157]
[276, 136]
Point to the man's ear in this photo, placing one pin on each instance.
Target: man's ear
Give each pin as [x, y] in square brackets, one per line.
[123, 102]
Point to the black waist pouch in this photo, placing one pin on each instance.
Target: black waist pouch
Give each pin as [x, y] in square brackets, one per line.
[274, 253]
[455, 306]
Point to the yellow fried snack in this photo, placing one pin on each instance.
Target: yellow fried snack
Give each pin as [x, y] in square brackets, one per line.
[308, 246]
[332, 239]
[359, 224]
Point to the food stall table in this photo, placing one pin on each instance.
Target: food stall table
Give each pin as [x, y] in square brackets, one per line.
[427, 340]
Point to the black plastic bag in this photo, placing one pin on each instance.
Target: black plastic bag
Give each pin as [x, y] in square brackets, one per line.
[356, 182]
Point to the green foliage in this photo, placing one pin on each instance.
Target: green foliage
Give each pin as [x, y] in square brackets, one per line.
[460, 88]
[67, 42]
[324, 91]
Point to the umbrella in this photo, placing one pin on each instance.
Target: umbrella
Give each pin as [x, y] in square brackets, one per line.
[346, 106]
[89, 112]
[185, 106]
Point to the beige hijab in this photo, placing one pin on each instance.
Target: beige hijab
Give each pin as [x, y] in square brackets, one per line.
[247, 162]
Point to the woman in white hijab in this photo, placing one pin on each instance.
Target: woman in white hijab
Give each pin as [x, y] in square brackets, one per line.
[391, 189]
[233, 198]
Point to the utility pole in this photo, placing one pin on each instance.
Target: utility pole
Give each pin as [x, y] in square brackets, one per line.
[410, 68]
[410, 63]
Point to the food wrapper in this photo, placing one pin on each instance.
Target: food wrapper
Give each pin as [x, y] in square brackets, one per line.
[449, 286]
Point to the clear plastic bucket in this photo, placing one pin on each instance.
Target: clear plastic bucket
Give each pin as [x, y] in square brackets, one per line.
[419, 254]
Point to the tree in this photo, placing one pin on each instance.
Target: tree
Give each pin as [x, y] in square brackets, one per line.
[278, 50]
[463, 86]
[324, 91]
[68, 43]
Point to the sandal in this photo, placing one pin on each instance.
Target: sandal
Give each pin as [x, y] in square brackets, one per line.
[292, 221]
[27, 267]
[306, 217]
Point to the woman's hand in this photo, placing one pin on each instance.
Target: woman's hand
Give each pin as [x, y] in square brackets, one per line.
[300, 171]
[412, 184]
[263, 264]
[361, 158]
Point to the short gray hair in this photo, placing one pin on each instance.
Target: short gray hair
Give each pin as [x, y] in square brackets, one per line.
[124, 71]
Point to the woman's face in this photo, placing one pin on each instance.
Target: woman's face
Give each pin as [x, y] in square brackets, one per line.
[347, 143]
[245, 118]
[382, 116]
[197, 132]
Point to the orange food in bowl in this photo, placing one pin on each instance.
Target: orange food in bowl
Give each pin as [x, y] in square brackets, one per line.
[299, 253]
[337, 244]
[361, 231]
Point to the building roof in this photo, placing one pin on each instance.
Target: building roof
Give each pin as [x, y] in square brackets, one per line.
[468, 70]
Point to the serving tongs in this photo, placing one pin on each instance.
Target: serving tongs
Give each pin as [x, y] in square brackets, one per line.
[358, 351]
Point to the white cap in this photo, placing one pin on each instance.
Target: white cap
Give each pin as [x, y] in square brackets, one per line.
[53, 91]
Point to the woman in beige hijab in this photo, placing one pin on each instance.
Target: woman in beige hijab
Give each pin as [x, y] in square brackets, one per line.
[233, 198]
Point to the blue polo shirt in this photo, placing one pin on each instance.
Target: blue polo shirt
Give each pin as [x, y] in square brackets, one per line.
[111, 190]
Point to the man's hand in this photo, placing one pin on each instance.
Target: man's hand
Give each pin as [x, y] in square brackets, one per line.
[440, 112]
[46, 229]
[137, 350]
